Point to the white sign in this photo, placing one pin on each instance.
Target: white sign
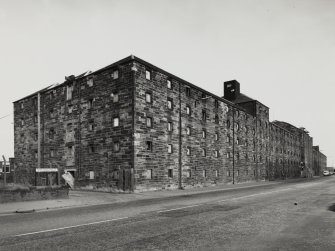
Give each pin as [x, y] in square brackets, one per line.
[46, 170]
[68, 179]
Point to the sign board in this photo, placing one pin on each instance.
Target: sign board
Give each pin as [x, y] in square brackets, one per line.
[68, 179]
[46, 170]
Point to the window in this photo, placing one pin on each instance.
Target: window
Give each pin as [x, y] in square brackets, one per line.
[148, 145]
[51, 113]
[203, 134]
[91, 126]
[69, 108]
[148, 74]
[204, 115]
[188, 110]
[228, 124]
[91, 149]
[149, 122]
[52, 95]
[169, 104]
[216, 153]
[90, 103]
[22, 122]
[188, 151]
[216, 104]
[115, 96]
[69, 90]
[52, 153]
[22, 138]
[35, 154]
[228, 173]
[116, 146]
[170, 148]
[90, 82]
[148, 97]
[188, 130]
[237, 141]
[188, 91]
[169, 84]
[115, 74]
[204, 173]
[169, 126]
[216, 173]
[226, 108]
[237, 173]
[51, 133]
[69, 127]
[147, 174]
[116, 121]
[170, 173]
[203, 152]
[216, 136]
[228, 139]
[35, 136]
[70, 150]
[216, 119]
[22, 105]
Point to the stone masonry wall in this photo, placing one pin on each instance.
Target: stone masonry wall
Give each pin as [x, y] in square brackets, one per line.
[201, 140]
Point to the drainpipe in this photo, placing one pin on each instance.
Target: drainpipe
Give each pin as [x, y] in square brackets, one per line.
[256, 147]
[233, 145]
[39, 135]
[180, 143]
[39, 130]
[79, 132]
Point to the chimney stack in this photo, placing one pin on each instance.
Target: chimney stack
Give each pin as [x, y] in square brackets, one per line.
[231, 90]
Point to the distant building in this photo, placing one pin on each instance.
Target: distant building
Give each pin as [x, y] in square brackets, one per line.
[134, 126]
[9, 167]
[319, 161]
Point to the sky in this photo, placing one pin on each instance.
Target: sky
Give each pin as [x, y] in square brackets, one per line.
[281, 51]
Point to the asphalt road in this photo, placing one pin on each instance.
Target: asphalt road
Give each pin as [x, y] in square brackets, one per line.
[291, 216]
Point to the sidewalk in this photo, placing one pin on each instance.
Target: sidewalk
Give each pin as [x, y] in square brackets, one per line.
[90, 198]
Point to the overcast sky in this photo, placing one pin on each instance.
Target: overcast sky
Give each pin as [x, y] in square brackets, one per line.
[282, 52]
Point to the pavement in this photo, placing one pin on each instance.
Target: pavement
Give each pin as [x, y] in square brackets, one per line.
[79, 198]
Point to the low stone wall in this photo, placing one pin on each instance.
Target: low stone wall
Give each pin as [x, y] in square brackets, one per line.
[33, 193]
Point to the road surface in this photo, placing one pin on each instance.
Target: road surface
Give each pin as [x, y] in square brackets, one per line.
[290, 216]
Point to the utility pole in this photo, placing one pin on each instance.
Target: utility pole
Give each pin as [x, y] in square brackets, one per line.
[4, 170]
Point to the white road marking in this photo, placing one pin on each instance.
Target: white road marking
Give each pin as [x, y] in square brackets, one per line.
[252, 195]
[163, 211]
[242, 197]
[62, 228]
[174, 209]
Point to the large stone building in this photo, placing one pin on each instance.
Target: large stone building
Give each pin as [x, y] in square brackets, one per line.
[134, 126]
